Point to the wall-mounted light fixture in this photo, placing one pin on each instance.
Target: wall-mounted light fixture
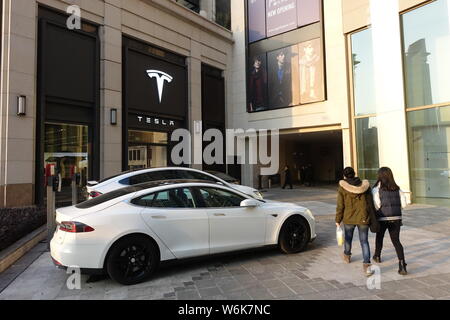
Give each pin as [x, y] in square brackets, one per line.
[21, 105]
[113, 117]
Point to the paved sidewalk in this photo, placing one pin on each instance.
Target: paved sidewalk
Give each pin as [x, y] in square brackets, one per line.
[318, 273]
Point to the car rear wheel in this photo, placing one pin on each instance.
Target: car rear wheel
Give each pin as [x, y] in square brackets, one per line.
[294, 235]
[132, 260]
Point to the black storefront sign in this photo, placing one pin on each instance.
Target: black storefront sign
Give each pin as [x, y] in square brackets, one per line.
[155, 91]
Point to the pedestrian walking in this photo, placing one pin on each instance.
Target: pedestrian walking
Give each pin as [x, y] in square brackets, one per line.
[389, 201]
[353, 210]
[287, 177]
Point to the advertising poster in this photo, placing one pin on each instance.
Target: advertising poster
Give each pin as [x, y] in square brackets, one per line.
[308, 11]
[311, 71]
[283, 77]
[256, 20]
[258, 83]
[281, 16]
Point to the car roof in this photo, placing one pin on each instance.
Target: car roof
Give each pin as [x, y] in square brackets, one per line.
[131, 173]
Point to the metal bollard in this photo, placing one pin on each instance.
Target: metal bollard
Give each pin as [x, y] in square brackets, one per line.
[74, 191]
[51, 207]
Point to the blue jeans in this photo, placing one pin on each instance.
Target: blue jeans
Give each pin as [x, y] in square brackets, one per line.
[363, 231]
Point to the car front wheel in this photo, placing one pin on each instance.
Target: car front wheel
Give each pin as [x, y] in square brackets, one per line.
[294, 235]
[132, 260]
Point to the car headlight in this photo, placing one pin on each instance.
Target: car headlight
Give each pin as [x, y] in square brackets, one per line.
[258, 195]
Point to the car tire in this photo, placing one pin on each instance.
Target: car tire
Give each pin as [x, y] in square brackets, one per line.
[132, 260]
[294, 235]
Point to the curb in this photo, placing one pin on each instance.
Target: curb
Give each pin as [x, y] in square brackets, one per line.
[16, 251]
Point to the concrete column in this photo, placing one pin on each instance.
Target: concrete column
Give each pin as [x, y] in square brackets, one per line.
[195, 100]
[18, 77]
[111, 89]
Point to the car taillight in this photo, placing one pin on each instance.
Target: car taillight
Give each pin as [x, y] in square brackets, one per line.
[94, 194]
[75, 227]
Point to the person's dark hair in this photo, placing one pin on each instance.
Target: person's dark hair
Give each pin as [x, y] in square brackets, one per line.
[386, 180]
[349, 173]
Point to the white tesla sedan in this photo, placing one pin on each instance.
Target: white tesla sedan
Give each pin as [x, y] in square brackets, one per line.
[128, 232]
[129, 178]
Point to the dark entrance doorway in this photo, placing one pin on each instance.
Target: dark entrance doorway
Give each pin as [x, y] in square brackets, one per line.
[320, 152]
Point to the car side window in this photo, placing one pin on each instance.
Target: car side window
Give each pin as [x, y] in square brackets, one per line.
[219, 198]
[150, 176]
[145, 201]
[173, 198]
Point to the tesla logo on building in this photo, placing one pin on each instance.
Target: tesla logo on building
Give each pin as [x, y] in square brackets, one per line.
[161, 78]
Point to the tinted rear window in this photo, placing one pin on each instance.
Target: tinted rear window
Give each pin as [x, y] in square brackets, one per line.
[110, 196]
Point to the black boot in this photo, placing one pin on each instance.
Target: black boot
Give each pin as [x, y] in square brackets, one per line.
[402, 267]
[377, 259]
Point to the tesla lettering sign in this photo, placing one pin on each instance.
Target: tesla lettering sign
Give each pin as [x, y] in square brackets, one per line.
[155, 121]
[161, 79]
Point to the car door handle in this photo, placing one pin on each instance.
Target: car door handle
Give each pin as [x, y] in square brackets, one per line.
[159, 217]
[219, 214]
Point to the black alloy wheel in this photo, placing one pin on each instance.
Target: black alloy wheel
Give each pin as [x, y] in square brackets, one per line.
[294, 235]
[132, 260]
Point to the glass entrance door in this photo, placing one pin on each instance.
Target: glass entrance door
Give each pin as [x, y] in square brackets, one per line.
[66, 147]
[147, 149]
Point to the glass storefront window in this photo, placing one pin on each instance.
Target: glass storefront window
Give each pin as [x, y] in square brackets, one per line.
[429, 149]
[426, 43]
[147, 149]
[363, 73]
[367, 148]
[67, 148]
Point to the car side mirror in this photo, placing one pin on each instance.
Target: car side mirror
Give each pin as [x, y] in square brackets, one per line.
[249, 203]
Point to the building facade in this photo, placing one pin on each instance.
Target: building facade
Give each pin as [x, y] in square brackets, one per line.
[104, 93]
[377, 99]
[349, 82]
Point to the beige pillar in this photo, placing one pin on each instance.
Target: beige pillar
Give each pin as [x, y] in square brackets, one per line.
[111, 90]
[18, 77]
[390, 100]
[195, 100]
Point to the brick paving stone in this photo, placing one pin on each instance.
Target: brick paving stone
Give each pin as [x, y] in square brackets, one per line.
[303, 289]
[434, 292]
[322, 286]
[413, 294]
[259, 294]
[208, 283]
[431, 281]
[391, 296]
[230, 286]
[188, 295]
[238, 295]
[273, 283]
[209, 292]
[281, 292]
[316, 296]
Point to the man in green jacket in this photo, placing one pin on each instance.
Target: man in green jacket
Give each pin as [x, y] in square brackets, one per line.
[353, 210]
